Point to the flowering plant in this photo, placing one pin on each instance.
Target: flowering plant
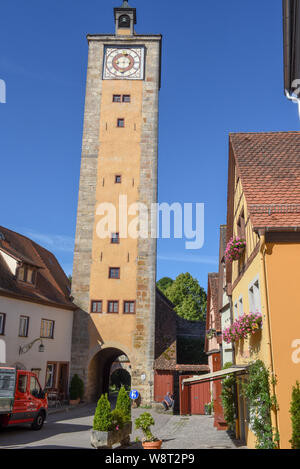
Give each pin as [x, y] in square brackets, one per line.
[242, 327]
[211, 333]
[234, 249]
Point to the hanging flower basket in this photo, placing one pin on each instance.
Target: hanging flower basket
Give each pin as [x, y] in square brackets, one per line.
[234, 249]
[243, 327]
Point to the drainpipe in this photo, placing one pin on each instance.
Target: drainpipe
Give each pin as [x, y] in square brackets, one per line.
[263, 249]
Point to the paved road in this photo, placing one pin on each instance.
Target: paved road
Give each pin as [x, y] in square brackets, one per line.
[71, 429]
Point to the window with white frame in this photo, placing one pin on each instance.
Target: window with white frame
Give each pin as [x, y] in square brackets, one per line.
[50, 375]
[235, 310]
[2, 323]
[241, 307]
[23, 326]
[254, 297]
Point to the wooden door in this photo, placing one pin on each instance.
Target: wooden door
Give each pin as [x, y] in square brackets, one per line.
[63, 379]
[200, 395]
[163, 382]
[184, 396]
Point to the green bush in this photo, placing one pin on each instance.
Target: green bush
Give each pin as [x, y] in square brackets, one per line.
[257, 391]
[76, 388]
[295, 416]
[118, 419]
[144, 422]
[103, 419]
[124, 404]
[228, 397]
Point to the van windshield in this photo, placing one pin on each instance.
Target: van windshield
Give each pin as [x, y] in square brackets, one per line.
[7, 382]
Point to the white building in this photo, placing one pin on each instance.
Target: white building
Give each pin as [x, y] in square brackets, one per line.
[36, 312]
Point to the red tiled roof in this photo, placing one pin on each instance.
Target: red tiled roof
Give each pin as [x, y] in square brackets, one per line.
[52, 285]
[269, 167]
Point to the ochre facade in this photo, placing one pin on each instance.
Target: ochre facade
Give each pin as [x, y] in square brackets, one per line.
[129, 152]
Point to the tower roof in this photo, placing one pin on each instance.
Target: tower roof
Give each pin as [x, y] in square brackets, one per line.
[125, 7]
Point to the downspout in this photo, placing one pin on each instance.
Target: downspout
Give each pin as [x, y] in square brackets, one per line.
[262, 250]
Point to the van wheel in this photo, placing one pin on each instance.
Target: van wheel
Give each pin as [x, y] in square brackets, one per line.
[38, 422]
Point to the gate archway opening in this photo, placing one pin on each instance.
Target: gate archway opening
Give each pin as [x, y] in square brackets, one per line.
[108, 370]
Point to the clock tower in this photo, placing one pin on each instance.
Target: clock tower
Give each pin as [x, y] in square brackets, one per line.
[114, 277]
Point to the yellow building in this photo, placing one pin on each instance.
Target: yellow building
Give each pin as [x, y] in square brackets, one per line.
[264, 208]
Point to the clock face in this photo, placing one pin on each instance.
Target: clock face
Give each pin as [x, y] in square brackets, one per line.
[124, 63]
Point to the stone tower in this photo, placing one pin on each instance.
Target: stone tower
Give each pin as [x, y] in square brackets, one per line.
[114, 276]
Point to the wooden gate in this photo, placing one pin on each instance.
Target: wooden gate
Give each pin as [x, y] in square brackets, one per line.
[163, 382]
[200, 395]
[193, 397]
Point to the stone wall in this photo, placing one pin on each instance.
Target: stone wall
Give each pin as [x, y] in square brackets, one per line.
[86, 212]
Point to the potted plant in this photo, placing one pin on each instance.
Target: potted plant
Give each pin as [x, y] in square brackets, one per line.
[207, 408]
[111, 427]
[144, 422]
[76, 390]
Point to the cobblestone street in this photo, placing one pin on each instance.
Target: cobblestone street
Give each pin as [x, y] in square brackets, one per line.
[71, 430]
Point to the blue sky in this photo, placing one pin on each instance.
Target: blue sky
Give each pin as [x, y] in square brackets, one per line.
[222, 72]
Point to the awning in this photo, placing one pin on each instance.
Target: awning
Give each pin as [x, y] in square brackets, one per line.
[237, 370]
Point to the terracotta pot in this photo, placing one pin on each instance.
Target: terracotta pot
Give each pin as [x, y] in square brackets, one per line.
[152, 444]
[74, 401]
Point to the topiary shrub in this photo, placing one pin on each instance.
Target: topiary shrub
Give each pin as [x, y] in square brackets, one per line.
[76, 388]
[124, 404]
[118, 419]
[103, 420]
[295, 416]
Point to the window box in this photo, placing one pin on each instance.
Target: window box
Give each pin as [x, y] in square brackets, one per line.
[246, 325]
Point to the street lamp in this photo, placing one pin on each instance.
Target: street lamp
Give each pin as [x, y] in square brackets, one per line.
[27, 347]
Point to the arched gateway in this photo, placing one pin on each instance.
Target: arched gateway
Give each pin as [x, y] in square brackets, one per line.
[100, 369]
[114, 276]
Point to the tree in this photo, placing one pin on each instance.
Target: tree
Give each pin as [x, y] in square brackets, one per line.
[164, 283]
[188, 297]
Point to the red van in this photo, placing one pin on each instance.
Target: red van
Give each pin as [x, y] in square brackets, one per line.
[22, 399]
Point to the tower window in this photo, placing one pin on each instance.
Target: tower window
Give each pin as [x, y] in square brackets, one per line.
[115, 238]
[126, 98]
[96, 307]
[121, 123]
[116, 98]
[124, 21]
[114, 272]
[118, 179]
[112, 307]
[129, 307]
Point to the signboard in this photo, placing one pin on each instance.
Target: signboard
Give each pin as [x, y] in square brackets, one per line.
[134, 394]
